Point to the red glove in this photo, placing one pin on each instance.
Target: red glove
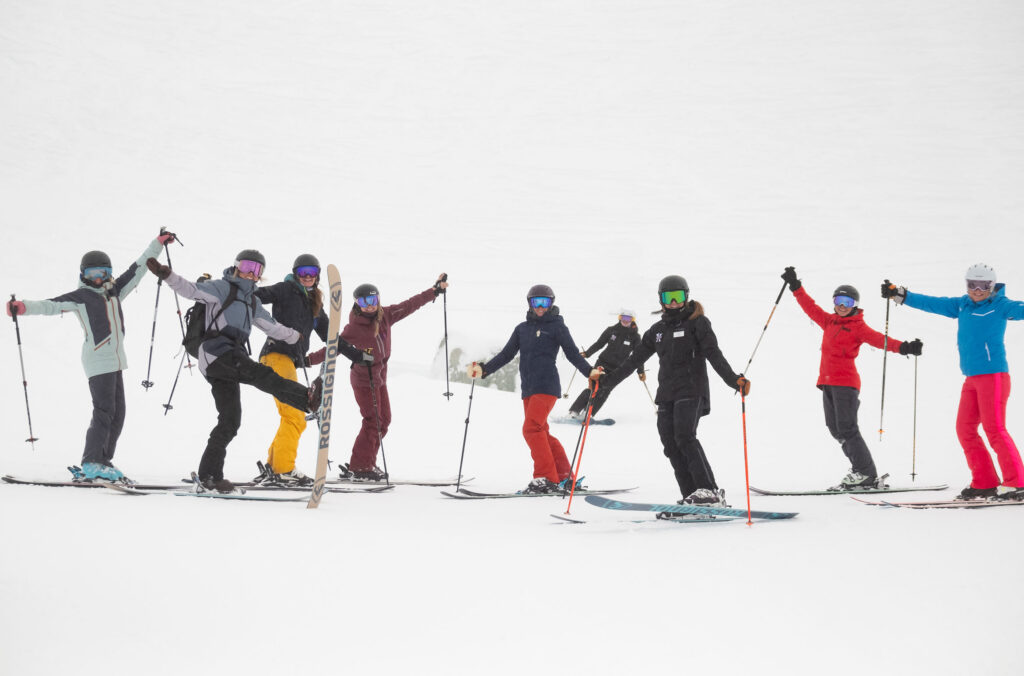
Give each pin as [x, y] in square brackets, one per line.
[314, 358]
[15, 307]
[166, 238]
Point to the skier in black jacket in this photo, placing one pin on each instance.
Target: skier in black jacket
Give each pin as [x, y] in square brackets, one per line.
[685, 343]
[618, 341]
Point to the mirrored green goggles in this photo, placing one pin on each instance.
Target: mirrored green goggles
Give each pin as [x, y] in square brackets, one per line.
[668, 297]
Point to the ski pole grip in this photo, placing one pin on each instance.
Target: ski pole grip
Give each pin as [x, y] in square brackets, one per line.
[781, 291]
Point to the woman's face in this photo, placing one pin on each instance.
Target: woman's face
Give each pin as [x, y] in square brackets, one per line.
[843, 311]
[978, 291]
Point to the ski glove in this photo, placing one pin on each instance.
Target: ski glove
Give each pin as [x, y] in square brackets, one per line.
[642, 376]
[596, 374]
[897, 293]
[742, 384]
[441, 284]
[15, 307]
[314, 358]
[161, 271]
[474, 370]
[789, 276]
[166, 238]
[912, 347]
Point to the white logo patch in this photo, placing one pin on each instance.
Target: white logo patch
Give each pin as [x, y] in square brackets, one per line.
[679, 334]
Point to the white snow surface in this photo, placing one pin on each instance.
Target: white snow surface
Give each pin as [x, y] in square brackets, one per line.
[593, 146]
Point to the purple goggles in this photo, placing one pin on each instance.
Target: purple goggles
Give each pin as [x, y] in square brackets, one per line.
[249, 267]
[367, 301]
[307, 271]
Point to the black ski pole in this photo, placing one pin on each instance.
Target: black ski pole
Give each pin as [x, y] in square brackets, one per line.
[458, 481]
[167, 406]
[913, 443]
[447, 382]
[569, 386]
[24, 382]
[376, 414]
[147, 383]
[765, 329]
[177, 303]
[885, 354]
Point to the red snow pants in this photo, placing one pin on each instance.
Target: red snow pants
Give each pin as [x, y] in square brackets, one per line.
[548, 455]
[364, 450]
[983, 402]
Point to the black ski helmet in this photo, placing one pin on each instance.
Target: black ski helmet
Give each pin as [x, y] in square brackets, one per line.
[94, 259]
[540, 291]
[304, 260]
[673, 283]
[365, 289]
[847, 290]
[251, 255]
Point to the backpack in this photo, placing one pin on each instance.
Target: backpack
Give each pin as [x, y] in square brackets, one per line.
[195, 321]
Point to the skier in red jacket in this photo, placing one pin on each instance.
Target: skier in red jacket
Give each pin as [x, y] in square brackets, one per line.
[838, 380]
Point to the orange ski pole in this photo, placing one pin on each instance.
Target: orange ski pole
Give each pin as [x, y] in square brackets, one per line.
[579, 458]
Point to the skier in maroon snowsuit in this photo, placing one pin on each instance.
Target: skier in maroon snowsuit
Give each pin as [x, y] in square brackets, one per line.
[369, 329]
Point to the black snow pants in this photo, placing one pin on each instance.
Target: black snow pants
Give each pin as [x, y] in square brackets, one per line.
[107, 390]
[841, 404]
[677, 427]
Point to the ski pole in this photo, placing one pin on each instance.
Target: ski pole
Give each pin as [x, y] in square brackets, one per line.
[147, 383]
[913, 443]
[649, 394]
[177, 304]
[458, 481]
[590, 402]
[746, 466]
[167, 406]
[569, 386]
[376, 414]
[885, 355]
[576, 471]
[24, 382]
[765, 329]
[447, 383]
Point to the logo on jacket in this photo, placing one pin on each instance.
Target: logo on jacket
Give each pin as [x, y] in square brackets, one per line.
[657, 337]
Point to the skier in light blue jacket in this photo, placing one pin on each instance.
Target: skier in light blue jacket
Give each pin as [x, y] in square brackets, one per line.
[981, 315]
[97, 304]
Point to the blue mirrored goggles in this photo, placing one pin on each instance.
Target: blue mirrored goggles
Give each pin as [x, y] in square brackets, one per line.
[541, 301]
[844, 301]
[307, 271]
[99, 272]
[367, 301]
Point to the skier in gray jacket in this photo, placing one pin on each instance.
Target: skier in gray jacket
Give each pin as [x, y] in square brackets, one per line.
[97, 304]
[223, 357]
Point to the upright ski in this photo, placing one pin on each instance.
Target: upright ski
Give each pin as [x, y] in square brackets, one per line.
[673, 508]
[327, 401]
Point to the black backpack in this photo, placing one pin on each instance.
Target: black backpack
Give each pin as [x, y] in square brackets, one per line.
[195, 321]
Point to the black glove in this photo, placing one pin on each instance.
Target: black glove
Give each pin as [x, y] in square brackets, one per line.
[897, 293]
[161, 271]
[437, 285]
[789, 276]
[912, 347]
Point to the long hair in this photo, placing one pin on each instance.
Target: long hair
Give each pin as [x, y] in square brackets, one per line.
[316, 300]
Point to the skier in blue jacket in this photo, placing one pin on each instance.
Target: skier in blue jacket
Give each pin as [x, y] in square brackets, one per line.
[538, 340]
[981, 315]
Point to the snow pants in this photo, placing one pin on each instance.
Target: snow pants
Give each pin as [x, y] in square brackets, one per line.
[677, 427]
[841, 404]
[225, 374]
[580, 405]
[107, 390]
[983, 402]
[364, 450]
[285, 446]
[549, 458]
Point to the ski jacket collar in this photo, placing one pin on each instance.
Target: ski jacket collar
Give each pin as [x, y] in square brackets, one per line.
[549, 316]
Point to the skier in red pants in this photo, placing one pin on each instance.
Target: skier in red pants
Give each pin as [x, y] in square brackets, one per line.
[537, 340]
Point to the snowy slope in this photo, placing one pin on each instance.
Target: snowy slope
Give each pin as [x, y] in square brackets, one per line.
[593, 146]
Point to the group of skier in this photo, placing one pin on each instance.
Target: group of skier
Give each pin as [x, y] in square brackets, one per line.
[682, 338]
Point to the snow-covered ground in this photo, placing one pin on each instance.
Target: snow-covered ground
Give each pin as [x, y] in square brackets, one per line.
[593, 146]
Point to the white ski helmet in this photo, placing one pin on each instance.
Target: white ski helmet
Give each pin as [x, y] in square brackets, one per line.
[981, 272]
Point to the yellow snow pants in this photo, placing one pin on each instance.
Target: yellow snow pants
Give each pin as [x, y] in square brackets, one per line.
[285, 446]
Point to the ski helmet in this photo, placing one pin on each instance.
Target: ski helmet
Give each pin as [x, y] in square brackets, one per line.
[540, 291]
[251, 255]
[365, 290]
[981, 272]
[847, 290]
[304, 260]
[673, 283]
[94, 259]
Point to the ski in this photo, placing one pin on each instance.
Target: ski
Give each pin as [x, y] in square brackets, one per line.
[857, 491]
[684, 509]
[569, 420]
[686, 518]
[242, 496]
[944, 504]
[464, 494]
[86, 484]
[396, 482]
[327, 399]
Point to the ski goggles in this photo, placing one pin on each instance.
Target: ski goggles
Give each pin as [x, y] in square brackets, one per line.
[98, 272]
[249, 267]
[979, 285]
[541, 301]
[626, 318]
[844, 301]
[307, 271]
[669, 297]
[367, 301]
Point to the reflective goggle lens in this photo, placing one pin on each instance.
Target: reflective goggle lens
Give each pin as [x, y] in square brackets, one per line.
[307, 271]
[540, 301]
[367, 301]
[251, 267]
[668, 297]
[626, 318]
[978, 285]
[845, 301]
[100, 272]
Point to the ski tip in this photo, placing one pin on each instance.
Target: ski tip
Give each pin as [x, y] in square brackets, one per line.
[564, 518]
